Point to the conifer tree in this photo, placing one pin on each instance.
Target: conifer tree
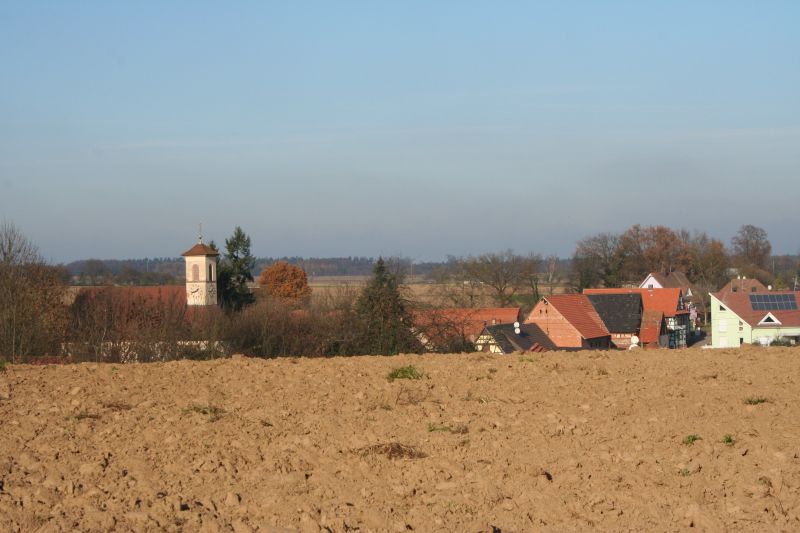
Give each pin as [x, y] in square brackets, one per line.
[383, 322]
[235, 271]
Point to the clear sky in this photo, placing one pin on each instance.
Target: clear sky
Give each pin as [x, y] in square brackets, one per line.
[417, 128]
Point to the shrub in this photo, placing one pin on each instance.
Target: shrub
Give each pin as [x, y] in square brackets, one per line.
[405, 372]
[755, 400]
[727, 440]
[691, 439]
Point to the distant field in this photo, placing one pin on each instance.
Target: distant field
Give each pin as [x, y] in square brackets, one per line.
[609, 441]
[419, 289]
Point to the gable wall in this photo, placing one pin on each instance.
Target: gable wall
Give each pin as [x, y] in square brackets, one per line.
[561, 332]
[725, 327]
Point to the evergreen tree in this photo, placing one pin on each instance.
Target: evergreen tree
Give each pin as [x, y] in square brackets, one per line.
[382, 321]
[234, 272]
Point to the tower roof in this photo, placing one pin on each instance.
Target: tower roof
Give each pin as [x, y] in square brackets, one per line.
[200, 249]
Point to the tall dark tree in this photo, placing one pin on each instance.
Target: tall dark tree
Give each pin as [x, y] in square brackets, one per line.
[234, 272]
[751, 247]
[597, 262]
[382, 320]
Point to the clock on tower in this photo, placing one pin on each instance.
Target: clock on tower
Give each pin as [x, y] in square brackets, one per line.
[201, 274]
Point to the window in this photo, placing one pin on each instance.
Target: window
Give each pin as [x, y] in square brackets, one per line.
[195, 272]
[752, 289]
[210, 272]
[735, 289]
[721, 308]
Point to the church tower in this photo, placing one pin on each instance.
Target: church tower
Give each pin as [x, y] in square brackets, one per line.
[201, 274]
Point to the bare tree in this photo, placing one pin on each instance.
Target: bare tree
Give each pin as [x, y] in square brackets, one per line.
[552, 274]
[32, 311]
[530, 274]
[500, 272]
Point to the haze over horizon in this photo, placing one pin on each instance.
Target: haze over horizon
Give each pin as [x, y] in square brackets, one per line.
[418, 129]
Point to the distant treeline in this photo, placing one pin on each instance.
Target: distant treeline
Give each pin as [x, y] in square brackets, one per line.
[170, 270]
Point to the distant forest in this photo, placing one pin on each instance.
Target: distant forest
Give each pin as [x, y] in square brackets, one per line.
[170, 270]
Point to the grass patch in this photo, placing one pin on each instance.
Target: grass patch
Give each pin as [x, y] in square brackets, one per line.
[492, 370]
[755, 400]
[691, 439]
[392, 450]
[684, 472]
[458, 430]
[525, 359]
[213, 412]
[727, 440]
[405, 372]
[3, 365]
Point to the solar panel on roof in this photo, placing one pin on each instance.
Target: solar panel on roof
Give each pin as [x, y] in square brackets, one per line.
[773, 302]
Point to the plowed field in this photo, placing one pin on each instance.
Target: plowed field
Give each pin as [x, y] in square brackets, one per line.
[617, 441]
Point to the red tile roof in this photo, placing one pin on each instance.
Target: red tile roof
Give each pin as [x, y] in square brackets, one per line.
[739, 303]
[651, 326]
[470, 320]
[664, 300]
[579, 311]
[200, 249]
[744, 285]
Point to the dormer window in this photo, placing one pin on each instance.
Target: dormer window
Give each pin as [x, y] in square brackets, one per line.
[769, 320]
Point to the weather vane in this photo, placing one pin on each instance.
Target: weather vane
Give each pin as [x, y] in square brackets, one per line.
[200, 232]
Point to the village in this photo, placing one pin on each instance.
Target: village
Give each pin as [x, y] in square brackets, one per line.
[660, 313]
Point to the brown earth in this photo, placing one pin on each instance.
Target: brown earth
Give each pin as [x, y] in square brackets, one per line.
[554, 442]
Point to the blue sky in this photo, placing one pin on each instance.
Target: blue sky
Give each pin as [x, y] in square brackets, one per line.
[414, 128]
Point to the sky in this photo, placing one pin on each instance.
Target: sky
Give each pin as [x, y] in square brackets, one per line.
[413, 128]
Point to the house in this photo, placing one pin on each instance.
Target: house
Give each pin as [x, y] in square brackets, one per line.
[454, 328]
[743, 284]
[570, 321]
[668, 280]
[670, 303]
[506, 339]
[754, 318]
[621, 314]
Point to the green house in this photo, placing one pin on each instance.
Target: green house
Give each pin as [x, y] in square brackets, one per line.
[754, 318]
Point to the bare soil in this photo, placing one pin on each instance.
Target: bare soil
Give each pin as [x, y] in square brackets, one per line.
[552, 442]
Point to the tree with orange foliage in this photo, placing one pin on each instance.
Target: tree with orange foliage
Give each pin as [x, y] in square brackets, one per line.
[282, 280]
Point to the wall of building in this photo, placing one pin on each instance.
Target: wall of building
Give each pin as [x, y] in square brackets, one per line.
[562, 333]
[201, 280]
[728, 330]
[486, 343]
